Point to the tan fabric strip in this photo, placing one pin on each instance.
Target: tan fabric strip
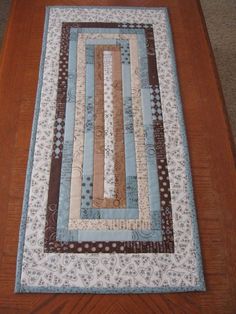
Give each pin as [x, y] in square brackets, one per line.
[98, 187]
[120, 180]
[98, 166]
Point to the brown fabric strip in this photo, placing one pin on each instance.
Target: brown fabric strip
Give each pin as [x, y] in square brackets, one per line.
[120, 178]
[119, 201]
[99, 134]
[159, 138]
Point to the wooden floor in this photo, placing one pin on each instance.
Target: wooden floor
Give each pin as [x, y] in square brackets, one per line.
[212, 162]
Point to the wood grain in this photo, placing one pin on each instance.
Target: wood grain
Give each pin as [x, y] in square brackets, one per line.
[210, 151]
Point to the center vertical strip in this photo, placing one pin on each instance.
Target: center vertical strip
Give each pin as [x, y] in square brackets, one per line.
[109, 154]
[119, 132]
[109, 169]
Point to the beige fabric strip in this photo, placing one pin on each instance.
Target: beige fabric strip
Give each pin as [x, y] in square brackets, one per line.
[120, 179]
[99, 134]
[98, 186]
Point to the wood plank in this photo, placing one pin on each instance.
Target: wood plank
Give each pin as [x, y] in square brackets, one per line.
[210, 151]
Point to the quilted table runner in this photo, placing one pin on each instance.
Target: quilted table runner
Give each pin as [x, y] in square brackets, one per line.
[108, 205]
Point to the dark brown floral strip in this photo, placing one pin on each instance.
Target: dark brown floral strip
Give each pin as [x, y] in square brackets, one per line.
[160, 151]
[50, 242]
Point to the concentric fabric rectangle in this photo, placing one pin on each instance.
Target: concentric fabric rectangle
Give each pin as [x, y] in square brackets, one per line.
[144, 214]
[135, 173]
[115, 65]
[144, 235]
[88, 161]
[124, 181]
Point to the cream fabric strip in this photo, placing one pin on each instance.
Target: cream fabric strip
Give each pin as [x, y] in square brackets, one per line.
[109, 166]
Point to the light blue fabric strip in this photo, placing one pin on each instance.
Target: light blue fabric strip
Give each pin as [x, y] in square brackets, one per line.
[111, 213]
[96, 235]
[106, 41]
[110, 30]
[154, 194]
[89, 115]
[109, 235]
